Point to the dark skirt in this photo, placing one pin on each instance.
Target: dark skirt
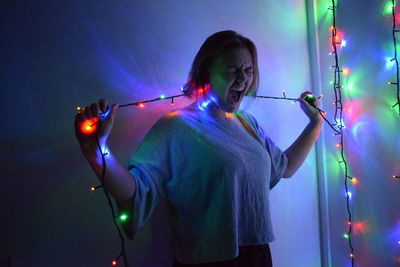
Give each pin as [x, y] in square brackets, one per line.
[249, 256]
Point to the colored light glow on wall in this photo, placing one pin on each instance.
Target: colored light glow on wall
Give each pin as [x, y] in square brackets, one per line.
[361, 127]
[387, 8]
[386, 116]
[349, 87]
[334, 168]
[323, 11]
[360, 228]
[390, 63]
[352, 110]
[353, 84]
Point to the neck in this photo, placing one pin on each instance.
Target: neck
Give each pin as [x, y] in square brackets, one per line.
[216, 112]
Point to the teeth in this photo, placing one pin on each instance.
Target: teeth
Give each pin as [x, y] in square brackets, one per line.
[237, 89]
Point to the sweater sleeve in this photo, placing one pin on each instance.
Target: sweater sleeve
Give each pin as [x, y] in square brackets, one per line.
[150, 169]
[278, 158]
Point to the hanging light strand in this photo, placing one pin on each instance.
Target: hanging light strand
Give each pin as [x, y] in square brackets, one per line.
[91, 127]
[338, 118]
[394, 31]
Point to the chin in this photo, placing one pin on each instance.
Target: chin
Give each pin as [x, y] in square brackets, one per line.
[232, 109]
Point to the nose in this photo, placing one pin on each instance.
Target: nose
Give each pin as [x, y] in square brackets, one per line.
[241, 76]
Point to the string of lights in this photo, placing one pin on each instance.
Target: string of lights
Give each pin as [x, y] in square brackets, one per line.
[394, 30]
[90, 126]
[395, 59]
[337, 127]
[338, 118]
[103, 173]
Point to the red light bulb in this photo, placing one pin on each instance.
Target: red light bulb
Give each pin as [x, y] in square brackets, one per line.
[89, 126]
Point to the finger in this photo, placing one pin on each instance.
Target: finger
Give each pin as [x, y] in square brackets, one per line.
[114, 107]
[309, 96]
[305, 93]
[306, 104]
[103, 105]
[302, 100]
[79, 118]
[87, 113]
[311, 99]
[94, 108]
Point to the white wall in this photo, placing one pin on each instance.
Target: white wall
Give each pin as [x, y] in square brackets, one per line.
[371, 136]
[61, 54]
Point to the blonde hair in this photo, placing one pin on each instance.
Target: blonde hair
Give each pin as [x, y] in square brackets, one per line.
[198, 80]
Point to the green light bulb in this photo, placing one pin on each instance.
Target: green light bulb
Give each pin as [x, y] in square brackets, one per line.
[387, 8]
[123, 217]
[162, 96]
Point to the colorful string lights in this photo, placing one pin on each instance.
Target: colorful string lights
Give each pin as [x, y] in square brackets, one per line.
[392, 8]
[104, 153]
[90, 127]
[337, 40]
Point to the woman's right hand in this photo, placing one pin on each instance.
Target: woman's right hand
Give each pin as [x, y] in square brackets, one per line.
[88, 125]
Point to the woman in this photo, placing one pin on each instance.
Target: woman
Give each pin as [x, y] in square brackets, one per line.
[213, 165]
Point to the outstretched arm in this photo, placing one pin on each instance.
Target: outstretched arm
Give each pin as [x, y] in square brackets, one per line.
[298, 151]
[117, 180]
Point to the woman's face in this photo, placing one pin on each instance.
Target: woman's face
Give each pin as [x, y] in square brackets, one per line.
[230, 78]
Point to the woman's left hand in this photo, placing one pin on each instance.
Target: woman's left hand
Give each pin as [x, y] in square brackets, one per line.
[310, 106]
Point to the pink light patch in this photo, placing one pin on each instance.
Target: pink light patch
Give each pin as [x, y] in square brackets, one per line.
[360, 228]
[352, 110]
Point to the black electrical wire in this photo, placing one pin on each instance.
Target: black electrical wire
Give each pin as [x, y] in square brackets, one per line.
[394, 30]
[339, 123]
[104, 166]
[102, 180]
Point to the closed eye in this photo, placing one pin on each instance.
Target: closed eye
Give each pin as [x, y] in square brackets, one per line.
[236, 70]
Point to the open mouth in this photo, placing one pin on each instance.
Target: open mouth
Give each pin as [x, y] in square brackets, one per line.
[236, 94]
